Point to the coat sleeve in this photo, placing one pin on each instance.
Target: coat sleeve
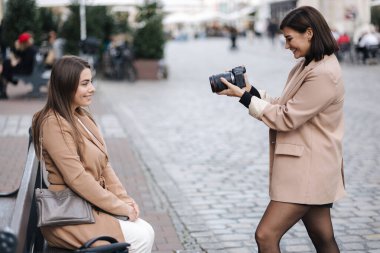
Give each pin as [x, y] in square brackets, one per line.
[266, 97]
[114, 185]
[315, 94]
[59, 143]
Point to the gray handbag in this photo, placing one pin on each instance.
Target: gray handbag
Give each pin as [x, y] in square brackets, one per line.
[62, 207]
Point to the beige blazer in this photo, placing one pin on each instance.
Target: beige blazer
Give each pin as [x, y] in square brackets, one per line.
[91, 176]
[306, 132]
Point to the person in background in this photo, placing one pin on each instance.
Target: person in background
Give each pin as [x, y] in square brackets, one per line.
[272, 30]
[55, 51]
[233, 37]
[344, 43]
[21, 62]
[75, 155]
[306, 133]
[368, 44]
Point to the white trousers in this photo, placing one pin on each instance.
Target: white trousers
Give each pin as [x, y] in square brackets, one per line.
[139, 234]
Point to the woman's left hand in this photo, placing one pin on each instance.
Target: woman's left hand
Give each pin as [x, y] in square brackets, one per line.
[134, 205]
[232, 91]
[137, 209]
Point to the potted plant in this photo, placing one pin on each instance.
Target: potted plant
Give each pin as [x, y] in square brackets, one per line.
[149, 41]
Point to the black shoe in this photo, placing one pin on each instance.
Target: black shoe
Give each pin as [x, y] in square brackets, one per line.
[14, 81]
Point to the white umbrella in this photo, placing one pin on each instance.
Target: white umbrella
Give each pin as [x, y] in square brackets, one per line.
[178, 18]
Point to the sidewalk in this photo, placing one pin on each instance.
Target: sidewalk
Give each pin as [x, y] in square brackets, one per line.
[15, 117]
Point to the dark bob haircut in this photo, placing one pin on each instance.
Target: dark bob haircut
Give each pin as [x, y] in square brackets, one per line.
[322, 42]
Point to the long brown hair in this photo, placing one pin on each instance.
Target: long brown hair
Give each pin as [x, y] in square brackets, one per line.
[322, 42]
[63, 83]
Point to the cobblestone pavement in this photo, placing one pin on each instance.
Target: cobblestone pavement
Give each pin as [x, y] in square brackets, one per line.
[209, 158]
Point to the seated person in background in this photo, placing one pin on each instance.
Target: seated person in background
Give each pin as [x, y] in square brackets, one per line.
[55, 51]
[21, 62]
[343, 39]
[368, 44]
[344, 43]
[22, 58]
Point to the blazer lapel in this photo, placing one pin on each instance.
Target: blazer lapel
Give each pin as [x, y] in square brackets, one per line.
[293, 86]
[296, 80]
[94, 136]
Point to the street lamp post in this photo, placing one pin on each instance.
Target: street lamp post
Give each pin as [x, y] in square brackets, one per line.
[82, 13]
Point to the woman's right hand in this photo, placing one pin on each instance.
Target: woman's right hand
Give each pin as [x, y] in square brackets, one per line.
[248, 86]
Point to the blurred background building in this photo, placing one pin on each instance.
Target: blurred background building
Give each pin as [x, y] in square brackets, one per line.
[193, 18]
[180, 20]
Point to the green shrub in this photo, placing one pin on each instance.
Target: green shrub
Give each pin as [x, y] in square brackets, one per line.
[149, 38]
[20, 16]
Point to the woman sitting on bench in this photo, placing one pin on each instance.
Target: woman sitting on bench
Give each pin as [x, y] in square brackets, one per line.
[75, 155]
[21, 62]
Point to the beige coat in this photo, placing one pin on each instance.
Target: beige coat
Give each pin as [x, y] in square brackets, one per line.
[91, 177]
[306, 132]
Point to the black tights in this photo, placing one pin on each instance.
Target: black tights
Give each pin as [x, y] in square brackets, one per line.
[279, 217]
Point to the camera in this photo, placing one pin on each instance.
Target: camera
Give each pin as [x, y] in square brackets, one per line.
[234, 76]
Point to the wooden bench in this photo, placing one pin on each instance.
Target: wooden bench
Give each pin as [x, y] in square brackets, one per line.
[18, 218]
[18, 231]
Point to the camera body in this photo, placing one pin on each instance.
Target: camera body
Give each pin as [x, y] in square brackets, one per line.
[235, 76]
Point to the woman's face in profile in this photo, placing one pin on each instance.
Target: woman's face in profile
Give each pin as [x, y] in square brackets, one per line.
[298, 43]
[85, 90]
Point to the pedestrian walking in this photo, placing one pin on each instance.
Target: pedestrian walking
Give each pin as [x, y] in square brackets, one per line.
[306, 132]
[75, 155]
[233, 37]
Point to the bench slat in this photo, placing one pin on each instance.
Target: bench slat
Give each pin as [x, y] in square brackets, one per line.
[22, 209]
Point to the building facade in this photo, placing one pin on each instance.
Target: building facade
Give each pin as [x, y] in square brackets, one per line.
[351, 16]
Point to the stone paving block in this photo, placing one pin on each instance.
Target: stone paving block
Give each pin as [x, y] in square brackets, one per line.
[234, 237]
[375, 237]
[352, 238]
[373, 245]
[298, 248]
[220, 221]
[238, 250]
[359, 232]
[353, 246]
[3, 120]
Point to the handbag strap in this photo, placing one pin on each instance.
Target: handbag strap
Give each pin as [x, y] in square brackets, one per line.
[114, 245]
[42, 162]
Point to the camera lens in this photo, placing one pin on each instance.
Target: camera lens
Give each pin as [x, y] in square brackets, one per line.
[212, 83]
[217, 85]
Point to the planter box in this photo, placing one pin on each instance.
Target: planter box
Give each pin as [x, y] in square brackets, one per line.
[147, 69]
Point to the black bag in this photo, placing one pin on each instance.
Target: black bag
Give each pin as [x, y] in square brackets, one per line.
[113, 247]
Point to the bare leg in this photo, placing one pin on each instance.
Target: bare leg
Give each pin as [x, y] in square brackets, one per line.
[278, 218]
[319, 227]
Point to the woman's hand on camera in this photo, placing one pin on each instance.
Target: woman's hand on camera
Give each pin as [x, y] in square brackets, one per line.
[247, 85]
[233, 90]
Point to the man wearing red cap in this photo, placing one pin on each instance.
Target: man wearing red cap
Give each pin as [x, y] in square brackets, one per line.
[21, 62]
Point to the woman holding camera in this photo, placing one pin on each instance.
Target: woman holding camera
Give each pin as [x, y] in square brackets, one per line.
[306, 132]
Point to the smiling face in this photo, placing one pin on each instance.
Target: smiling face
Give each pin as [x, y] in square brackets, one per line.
[298, 43]
[85, 90]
